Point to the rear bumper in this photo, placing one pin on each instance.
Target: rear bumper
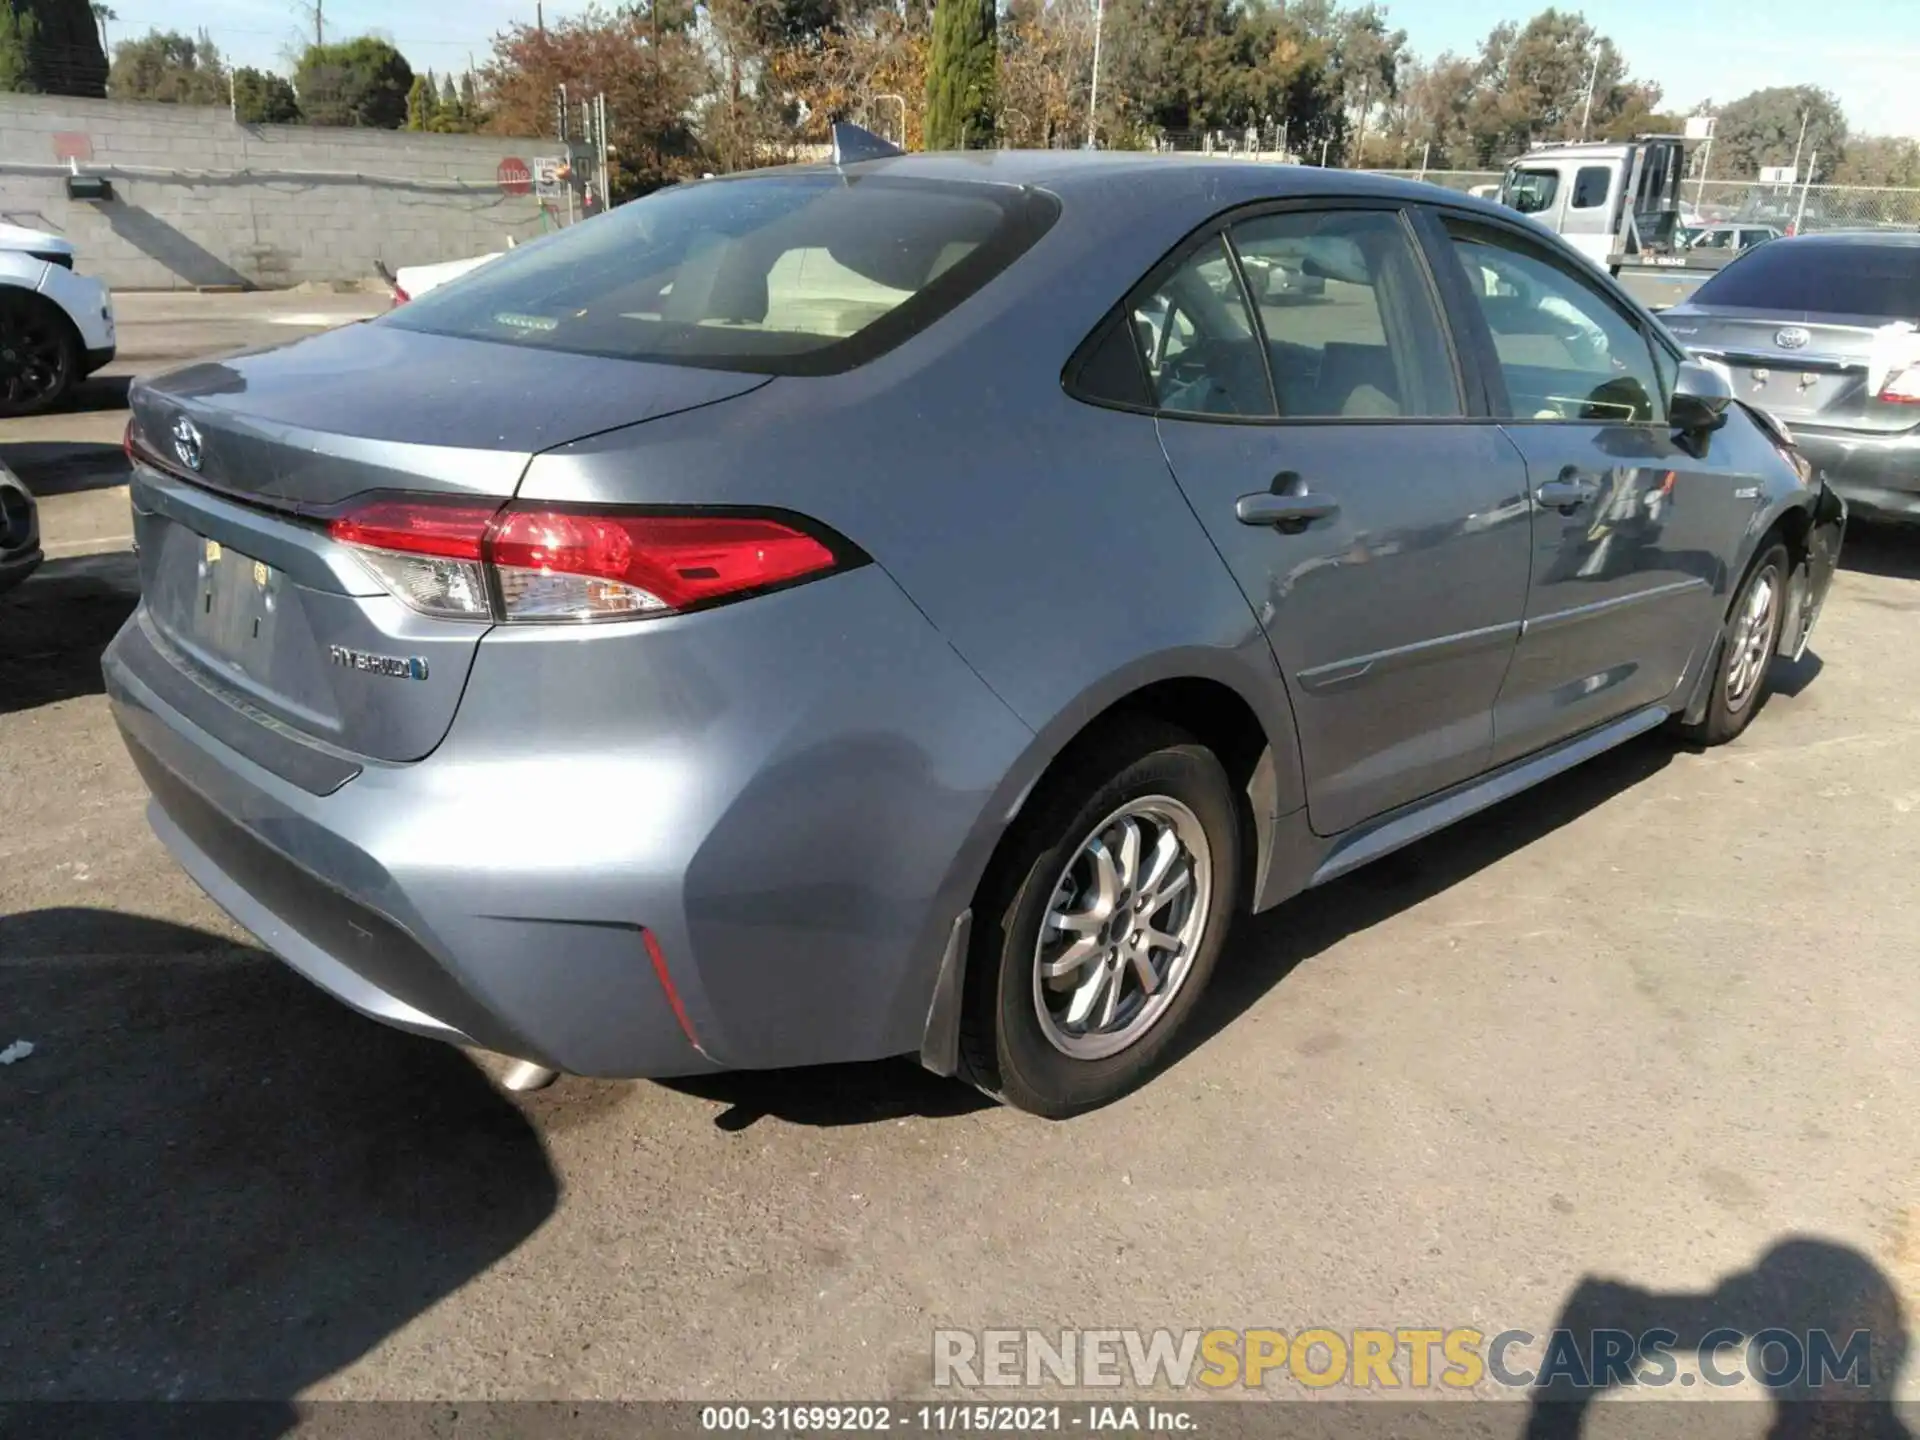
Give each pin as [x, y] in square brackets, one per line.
[1878, 476]
[731, 840]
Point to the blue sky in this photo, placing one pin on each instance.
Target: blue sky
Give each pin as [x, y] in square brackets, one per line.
[1693, 48]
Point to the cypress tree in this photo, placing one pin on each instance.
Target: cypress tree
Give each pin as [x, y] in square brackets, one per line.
[962, 76]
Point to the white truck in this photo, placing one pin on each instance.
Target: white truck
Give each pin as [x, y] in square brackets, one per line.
[1617, 202]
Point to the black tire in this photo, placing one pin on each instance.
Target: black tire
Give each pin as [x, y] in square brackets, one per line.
[39, 353]
[1731, 706]
[1005, 1046]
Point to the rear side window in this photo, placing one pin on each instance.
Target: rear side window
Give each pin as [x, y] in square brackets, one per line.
[790, 274]
[1590, 186]
[1197, 340]
[1847, 278]
[1349, 321]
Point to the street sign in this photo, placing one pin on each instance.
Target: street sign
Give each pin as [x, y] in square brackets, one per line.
[1779, 175]
[1700, 127]
[550, 176]
[513, 175]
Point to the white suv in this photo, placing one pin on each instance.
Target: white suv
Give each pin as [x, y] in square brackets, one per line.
[56, 326]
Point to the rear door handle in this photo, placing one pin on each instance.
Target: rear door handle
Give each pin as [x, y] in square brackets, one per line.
[1288, 507]
[1568, 493]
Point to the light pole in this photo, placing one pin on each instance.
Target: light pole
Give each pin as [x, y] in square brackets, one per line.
[1093, 93]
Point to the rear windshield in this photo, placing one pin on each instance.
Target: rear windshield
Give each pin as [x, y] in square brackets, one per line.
[1832, 279]
[779, 274]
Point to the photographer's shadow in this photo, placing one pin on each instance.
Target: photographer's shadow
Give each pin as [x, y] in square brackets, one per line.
[1801, 1286]
[219, 1184]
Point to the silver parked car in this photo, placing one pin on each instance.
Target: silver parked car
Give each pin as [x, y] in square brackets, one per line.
[1724, 238]
[914, 606]
[1823, 331]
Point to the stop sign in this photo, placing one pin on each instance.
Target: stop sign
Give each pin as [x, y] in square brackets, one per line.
[515, 177]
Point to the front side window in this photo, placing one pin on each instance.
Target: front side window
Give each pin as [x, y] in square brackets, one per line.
[1531, 191]
[1566, 351]
[1590, 187]
[1350, 326]
[778, 274]
[1198, 342]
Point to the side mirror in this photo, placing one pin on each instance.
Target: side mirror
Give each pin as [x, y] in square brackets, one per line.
[1701, 396]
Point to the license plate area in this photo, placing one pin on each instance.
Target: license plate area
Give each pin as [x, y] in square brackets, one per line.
[1799, 391]
[236, 604]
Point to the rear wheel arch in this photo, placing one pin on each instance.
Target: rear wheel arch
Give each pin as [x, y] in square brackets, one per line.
[1256, 746]
[1252, 735]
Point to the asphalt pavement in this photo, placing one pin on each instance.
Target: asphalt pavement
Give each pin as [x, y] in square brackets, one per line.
[1653, 1023]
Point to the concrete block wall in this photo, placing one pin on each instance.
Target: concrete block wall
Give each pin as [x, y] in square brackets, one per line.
[228, 213]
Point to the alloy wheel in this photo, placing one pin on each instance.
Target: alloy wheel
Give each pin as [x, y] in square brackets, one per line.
[1127, 917]
[33, 358]
[1752, 639]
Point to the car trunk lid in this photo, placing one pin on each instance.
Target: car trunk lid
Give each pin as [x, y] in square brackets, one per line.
[249, 455]
[1805, 367]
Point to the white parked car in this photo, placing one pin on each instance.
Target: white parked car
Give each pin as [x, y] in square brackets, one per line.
[56, 325]
[410, 282]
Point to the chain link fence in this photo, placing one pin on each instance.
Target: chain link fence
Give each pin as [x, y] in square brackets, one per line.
[1805, 207]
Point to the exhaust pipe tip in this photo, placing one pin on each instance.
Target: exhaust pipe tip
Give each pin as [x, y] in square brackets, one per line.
[524, 1077]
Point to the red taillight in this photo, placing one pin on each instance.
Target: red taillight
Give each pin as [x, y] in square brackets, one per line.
[561, 563]
[668, 562]
[1902, 387]
[414, 527]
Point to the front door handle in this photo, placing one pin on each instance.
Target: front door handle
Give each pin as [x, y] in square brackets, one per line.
[1288, 506]
[1568, 493]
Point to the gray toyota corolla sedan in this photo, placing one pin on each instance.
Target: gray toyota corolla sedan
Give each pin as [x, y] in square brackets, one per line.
[1820, 330]
[913, 606]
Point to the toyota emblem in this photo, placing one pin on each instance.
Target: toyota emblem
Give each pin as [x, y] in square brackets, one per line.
[1792, 338]
[186, 442]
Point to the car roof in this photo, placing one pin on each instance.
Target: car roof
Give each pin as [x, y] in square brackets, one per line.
[1236, 180]
[1902, 238]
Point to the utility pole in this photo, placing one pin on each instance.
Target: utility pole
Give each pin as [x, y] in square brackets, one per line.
[1706, 160]
[1093, 92]
[1593, 76]
[1366, 107]
[1426, 154]
[319, 22]
[1800, 214]
[540, 18]
[1804, 114]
